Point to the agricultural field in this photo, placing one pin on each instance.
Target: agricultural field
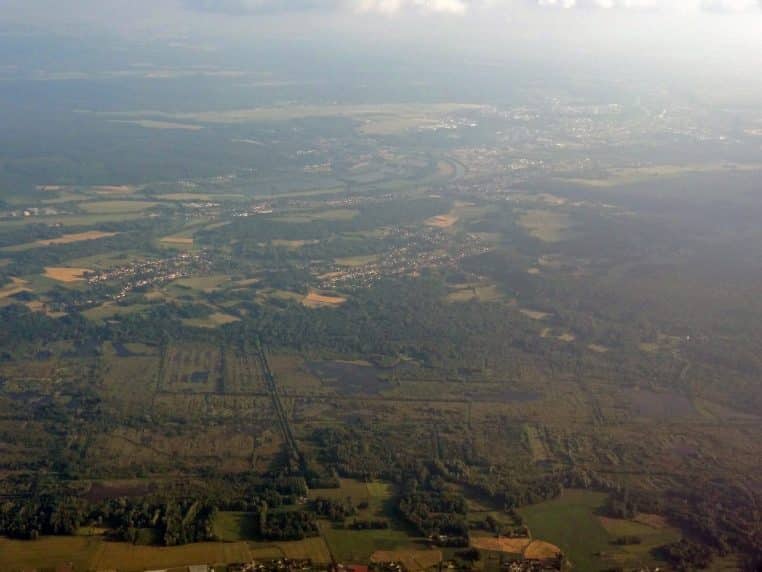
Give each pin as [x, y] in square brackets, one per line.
[587, 539]
[363, 332]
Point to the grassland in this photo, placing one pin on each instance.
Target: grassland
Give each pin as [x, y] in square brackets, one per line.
[324, 215]
[213, 320]
[378, 119]
[355, 261]
[617, 177]
[481, 292]
[548, 226]
[65, 239]
[347, 545]
[570, 522]
[116, 207]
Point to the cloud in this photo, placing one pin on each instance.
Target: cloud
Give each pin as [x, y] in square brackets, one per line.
[390, 7]
[239, 7]
[394, 6]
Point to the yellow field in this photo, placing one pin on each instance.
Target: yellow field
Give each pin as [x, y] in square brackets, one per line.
[316, 300]
[76, 237]
[184, 240]
[292, 244]
[541, 550]
[113, 189]
[16, 286]
[528, 548]
[65, 274]
[510, 545]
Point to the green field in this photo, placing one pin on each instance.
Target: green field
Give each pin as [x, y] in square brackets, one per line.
[570, 522]
[233, 526]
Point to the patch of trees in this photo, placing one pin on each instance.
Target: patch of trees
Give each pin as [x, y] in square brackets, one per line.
[620, 505]
[28, 519]
[433, 510]
[288, 525]
[333, 509]
[627, 540]
[687, 555]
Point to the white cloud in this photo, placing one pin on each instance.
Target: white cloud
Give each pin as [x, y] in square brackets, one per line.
[394, 6]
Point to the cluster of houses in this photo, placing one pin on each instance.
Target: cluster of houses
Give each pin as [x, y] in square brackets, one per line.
[150, 272]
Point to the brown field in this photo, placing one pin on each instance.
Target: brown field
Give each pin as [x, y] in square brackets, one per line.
[292, 244]
[534, 314]
[317, 300]
[442, 221]
[49, 552]
[597, 348]
[535, 549]
[16, 286]
[151, 124]
[188, 240]
[312, 548]
[113, 189]
[76, 237]
[541, 550]
[412, 560]
[64, 274]
[445, 169]
[652, 520]
[510, 545]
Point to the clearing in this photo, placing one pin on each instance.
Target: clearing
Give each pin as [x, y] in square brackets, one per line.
[442, 221]
[16, 286]
[66, 274]
[317, 300]
[548, 226]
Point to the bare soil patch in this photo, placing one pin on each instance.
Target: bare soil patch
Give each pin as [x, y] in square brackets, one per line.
[76, 237]
[16, 286]
[541, 550]
[510, 545]
[442, 221]
[317, 300]
[65, 274]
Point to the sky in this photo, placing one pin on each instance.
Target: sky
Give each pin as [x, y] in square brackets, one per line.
[711, 41]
